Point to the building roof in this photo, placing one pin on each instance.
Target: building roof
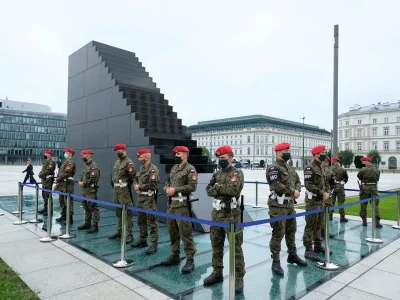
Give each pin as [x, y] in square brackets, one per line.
[24, 106]
[373, 108]
[256, 118]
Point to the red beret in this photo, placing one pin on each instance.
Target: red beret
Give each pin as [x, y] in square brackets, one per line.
[180, 149]
[119, 147]
[87, 151]
[48, 152]
[366, 158]
[143, 151]
[335, 158]
[69, 150]
[282, 146]
[223, 150]
[317, 149]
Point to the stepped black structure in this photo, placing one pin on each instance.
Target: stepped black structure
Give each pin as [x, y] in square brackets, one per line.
[112, 99]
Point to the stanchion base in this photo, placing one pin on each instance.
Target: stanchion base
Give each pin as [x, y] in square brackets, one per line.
[257, 206]
[20, 222]
[395, 227]
[16, 212]
[372, 240]
[329, 267]
[123, 263]
[1, 214]
[35, 221]
[48, 239]
[66, 236]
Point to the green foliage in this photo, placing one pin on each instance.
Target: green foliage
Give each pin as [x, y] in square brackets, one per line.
[358, 162]
[346, 157]
[206, 152]
[375, 156]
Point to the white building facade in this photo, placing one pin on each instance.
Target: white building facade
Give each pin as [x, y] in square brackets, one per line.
[254, 137]
[373, 127]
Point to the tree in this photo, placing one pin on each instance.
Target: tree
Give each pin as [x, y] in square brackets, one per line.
[205, 152]
[329, 154]
[375, 156]
[346, 157]
[357, 161]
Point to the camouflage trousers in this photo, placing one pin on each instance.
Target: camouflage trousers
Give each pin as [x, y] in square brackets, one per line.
[217, 236]
[314, 224]
[285, 228]
[66, 187]
[123, 196]
[48, 186]
[181, 230]
[363, 206]
[338, 192]
[147, 220]
[91, 209]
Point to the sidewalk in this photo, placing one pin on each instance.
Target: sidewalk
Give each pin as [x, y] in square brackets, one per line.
[60, 271]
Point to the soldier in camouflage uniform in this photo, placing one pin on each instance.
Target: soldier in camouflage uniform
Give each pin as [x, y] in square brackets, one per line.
[124, 174]
[88, 183]
[331, 178]
[146, 185]
[285, 187]
[338, 191]
[225, 187]
[47, 177]
[179, 186]
[317, 196]
[65, 183]
[369, 176]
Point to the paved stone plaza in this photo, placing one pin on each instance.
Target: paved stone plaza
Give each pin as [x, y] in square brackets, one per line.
[85, 261]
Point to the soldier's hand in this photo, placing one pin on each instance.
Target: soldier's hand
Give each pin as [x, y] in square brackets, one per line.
[212, 182]
[112, 184]
[296, 194]
[80, 183]
[170, 191]
[326, 196]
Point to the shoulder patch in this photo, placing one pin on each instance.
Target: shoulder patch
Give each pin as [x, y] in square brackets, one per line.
[130, 163]
[233, 179]
[191, 171]
[194, 177]
[152, 170]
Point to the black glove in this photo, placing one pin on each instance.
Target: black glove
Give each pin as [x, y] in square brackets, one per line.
[212, 182]
[112, 184]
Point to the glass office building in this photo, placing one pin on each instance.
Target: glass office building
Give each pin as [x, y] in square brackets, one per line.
[26, 133]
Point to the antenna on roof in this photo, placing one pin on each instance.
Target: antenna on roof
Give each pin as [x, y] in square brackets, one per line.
[6, 97]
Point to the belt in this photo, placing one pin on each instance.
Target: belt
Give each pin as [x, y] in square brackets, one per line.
[69, 178]
[122, 184]
[92, 185]
[218, 203]
[49, 176]
[148, 193]
[339, 182]
[369, 183]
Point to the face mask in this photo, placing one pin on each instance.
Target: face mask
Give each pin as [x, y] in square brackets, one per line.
[84, 159]
[142, 162]
[120, 154]
[178, 159]
[44, 156]
[322, 157]
[223, 163]
[65, 155]
[286, 156]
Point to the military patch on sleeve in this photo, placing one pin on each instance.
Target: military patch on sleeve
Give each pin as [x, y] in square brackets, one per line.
[153, 177]
[67, 168]
[130, 169]
[233, 179]
[192, 171]
[194, 177]
[308, 174]
[152, 170]
[93, 173]
[273, 174]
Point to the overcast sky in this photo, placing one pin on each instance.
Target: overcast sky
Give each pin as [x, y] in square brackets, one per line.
[213, 59]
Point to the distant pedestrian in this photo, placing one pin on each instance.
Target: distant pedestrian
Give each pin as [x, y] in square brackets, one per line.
[29, 172]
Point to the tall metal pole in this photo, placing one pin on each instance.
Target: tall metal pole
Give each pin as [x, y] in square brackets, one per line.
[335, 90]
[304, 162]
[254, 147]
[272, 152]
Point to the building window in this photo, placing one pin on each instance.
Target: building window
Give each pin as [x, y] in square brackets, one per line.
[374, 121]
[340, 146]
[398, 119]
[386, 120]
[374, 131]
[359, 122]
[258, 151]
[340, 123]
[386, 131]
[374, 146]
[262, 139]
[235, 142]
[341, 133]
[258, 139]
[398, 145]
[346, 146]
[359, 146]
[385, 145]
[359, 132]
[397, 130]
[248, 150]
[346, 133]
[347, 122]
[248, 139]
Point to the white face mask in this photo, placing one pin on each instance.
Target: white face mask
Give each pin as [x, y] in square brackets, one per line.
[66, 155]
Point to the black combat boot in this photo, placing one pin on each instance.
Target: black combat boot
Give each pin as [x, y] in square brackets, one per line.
[364, 221]
[173, 259]
[239, 285]
[343, 219]
[276, 267]
[84, 226]
[140, 244]
[330, 217]
[45, 213]
[42, 211]
[215, 277]
[293, 258]
[152, 249]
[115, 235]
[71, 220]
[61, 219]
[94, 228]
[378, 224]
[129, 238]
[189, 265]
[320, 249]
[311, 255]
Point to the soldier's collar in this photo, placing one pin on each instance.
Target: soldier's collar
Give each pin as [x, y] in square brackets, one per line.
[184, 165]
[317, 162]
[281, 162]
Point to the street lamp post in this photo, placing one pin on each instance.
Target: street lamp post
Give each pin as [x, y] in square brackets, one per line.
[254, 148]
[304, 162]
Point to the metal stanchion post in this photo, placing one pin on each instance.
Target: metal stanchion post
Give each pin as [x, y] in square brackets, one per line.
[398, 211]
[232, 261]
[327, 265]
[67, 235]
[48, 237]
[256, 206]
[15, 212]
[20, 204]
[123, 263]
[373, 239]
[36, 220]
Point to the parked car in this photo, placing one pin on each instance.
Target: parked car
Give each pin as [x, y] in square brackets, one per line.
[237, 165]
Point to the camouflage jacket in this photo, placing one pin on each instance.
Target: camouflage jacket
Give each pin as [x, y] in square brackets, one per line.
[48, 169]
[283, 180]
[340, 173]
[225, 184]
[147, 178]
[330, 176]
[67, 170]
[184, 180]
[90, 177]
[315, 180]
[124, 170]
[369, 174]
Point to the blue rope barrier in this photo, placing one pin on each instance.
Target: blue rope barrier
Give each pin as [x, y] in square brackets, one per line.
[53, 192]
[106, 203]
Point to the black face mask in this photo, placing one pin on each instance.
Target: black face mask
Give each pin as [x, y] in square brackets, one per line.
[84, 159]
[286, 156]
[322, 157]
[44, 156]
[223, 163]
[178, 159]
[120, 154]
[142, 162]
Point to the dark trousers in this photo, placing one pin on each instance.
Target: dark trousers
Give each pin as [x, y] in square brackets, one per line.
[31, 179]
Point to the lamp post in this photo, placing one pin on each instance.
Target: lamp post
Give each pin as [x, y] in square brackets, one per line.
[304, 162]
[254, 148]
